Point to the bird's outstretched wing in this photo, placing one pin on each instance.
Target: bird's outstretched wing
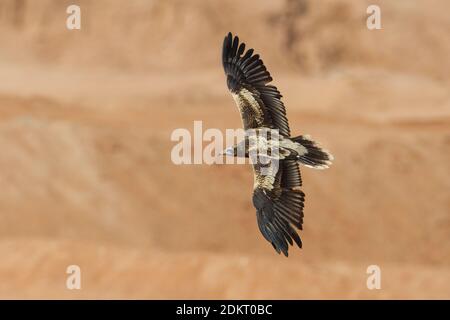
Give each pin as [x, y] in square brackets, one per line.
[247, 77]
[279, 205]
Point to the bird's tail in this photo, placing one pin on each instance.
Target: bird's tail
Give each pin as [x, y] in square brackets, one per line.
[315, 157]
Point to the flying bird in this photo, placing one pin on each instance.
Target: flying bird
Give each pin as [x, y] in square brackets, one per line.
[277, 194]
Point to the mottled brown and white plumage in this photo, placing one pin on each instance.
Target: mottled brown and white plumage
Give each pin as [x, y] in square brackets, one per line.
[277, 196]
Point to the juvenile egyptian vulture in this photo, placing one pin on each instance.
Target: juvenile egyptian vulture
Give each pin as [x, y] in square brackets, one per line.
[275, 155]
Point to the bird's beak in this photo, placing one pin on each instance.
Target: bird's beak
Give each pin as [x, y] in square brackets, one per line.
[227, 152]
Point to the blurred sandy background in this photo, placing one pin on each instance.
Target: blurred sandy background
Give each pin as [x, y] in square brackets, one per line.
[85, 170]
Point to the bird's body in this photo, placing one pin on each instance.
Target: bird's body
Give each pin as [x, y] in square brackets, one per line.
[275, 156]
[302, 148]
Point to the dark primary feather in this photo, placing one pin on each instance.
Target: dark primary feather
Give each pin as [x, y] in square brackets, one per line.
[247, 70]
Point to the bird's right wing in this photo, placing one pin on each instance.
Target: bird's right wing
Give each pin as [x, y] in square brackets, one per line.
[260, 104]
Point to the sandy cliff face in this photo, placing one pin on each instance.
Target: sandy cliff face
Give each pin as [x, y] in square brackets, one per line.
[85, 170]
[171, 35]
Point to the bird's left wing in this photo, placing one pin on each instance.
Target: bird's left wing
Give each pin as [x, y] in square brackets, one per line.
[247, 77]
[279, 205]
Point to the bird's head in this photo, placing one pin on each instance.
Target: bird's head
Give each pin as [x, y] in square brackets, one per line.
[239, 150]
[230, 151]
